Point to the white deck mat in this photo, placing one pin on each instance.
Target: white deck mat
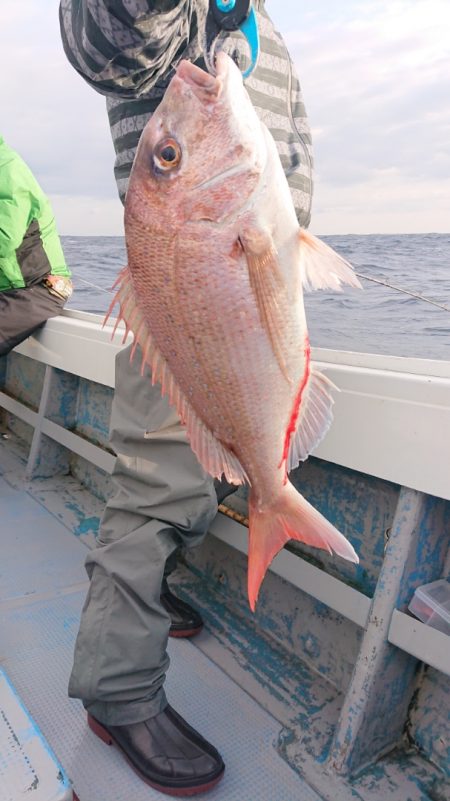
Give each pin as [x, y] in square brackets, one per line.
[37, 634]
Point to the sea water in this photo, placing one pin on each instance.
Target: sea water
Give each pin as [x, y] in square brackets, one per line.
[375, 320]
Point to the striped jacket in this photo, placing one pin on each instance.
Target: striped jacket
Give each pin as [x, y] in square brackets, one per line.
[128, 49]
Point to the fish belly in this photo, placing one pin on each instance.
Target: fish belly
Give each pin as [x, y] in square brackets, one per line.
[207, 326]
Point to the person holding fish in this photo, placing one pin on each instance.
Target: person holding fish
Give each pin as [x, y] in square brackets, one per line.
[218, 381]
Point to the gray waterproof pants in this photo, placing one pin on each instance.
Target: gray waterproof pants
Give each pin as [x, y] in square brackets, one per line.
[23, 311]
[164, 499]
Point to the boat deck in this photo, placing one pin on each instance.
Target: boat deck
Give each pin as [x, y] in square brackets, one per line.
[331, 687]
[42, 588]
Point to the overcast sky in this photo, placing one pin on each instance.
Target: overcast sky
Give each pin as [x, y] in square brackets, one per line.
[376, 81]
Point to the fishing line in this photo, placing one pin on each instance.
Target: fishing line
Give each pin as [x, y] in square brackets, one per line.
[412, 294]
[89, 283]
[409, 292]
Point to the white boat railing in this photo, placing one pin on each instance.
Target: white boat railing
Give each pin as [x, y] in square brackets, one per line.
[391, 420]
[391, 415]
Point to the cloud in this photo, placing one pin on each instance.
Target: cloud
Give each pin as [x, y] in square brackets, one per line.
[55, 120]
[383, 202]
[376, 84]
[90, 214]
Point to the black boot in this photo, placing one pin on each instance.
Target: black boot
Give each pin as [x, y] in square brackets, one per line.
[166, 753]
[185, 621]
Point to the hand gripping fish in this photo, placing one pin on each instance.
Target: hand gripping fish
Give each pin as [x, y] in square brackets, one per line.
[213, 293]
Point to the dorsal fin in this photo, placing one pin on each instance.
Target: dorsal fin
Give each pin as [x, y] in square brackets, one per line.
[216, 459]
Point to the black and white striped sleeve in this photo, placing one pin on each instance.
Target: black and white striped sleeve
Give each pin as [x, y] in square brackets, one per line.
[123, 48]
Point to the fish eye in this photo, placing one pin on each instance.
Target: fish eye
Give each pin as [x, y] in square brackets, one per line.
[167, 155]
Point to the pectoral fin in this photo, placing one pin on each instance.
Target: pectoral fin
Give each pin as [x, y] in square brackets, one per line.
[268, 286]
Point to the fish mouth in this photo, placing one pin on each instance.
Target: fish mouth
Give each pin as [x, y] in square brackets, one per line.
[202, 83]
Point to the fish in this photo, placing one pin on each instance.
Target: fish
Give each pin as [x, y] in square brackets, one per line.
[213, 293]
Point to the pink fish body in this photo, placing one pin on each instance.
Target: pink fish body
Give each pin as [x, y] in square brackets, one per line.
[213, 293]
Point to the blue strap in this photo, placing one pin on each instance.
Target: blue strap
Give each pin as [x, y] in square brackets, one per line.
[234, 15]
[249, 29]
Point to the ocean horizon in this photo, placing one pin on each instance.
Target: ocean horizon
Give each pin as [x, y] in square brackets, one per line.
[374, 320]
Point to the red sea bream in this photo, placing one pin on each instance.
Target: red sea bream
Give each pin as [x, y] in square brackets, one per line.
[213, 293]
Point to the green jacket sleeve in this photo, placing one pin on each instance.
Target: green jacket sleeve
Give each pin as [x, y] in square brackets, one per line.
[29, 243]
[15, 208]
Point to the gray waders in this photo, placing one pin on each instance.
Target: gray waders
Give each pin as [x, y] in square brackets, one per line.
[164, 499]
[24, 311]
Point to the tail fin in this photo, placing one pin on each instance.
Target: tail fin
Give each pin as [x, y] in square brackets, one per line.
[292, 518]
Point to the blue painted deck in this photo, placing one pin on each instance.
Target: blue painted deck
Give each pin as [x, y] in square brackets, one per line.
[42, 588]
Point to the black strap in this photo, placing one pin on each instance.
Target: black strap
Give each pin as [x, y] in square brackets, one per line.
[230, 20]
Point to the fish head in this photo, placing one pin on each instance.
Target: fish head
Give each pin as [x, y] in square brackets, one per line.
[202, 154]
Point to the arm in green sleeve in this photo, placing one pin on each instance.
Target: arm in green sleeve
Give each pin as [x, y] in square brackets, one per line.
[15, 211]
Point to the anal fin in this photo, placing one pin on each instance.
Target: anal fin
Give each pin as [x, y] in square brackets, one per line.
[314, 418]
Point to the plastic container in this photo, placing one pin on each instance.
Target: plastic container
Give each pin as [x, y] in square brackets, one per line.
[431, 604]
